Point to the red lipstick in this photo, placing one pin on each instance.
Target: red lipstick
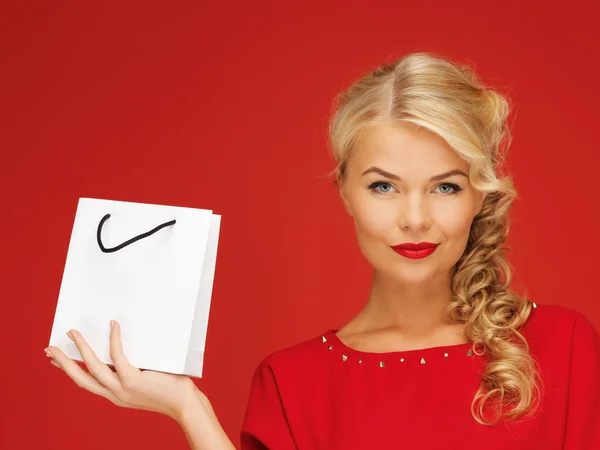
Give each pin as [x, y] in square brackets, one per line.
[415, 251]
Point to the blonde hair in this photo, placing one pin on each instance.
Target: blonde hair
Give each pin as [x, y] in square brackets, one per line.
[448, 99]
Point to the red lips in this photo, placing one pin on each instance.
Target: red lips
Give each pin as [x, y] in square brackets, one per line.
[415, 250]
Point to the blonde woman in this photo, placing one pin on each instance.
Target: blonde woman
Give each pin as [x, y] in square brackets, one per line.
[443, 355]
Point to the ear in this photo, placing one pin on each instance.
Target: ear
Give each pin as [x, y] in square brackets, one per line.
[342, 190]
[480, 199]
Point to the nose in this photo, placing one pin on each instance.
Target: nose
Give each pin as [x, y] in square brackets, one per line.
[414, 213]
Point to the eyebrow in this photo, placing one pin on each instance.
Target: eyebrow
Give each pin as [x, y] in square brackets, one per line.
[391, 176]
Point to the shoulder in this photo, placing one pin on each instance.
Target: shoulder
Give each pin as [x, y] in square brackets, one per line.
[560, 318]
[287, 360]
[555, 327]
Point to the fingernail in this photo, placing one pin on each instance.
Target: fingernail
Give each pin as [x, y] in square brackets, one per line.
[48, 353]
[112, 324]
[70, 335]
[54, 363]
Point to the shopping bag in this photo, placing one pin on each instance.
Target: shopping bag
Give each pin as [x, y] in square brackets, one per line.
[151, 268]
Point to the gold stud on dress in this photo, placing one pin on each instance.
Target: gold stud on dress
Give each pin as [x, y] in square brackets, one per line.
[534, 305]
[445, 355]
[381, 364]
[469, 352]
[324, 339]
[360, 361]
[344, 357]
[401, 359]
[330, 348]
[422, 360]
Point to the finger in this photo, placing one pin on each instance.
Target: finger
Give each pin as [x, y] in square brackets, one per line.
[97, 368]
[81, 378]
[120, 361]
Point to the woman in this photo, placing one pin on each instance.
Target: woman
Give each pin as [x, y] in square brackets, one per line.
[444, 355]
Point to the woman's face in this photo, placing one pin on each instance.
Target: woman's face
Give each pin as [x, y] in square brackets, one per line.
[402, 186]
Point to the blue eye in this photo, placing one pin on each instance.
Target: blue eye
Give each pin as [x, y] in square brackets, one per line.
[448, 188]
[377, 184]
[382, 187]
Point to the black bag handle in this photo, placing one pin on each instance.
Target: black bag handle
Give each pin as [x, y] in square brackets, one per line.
[130, 241]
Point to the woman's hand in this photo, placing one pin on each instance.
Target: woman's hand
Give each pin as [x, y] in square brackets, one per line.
[128, 386]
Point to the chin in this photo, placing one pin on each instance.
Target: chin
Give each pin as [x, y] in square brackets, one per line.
[412, 273]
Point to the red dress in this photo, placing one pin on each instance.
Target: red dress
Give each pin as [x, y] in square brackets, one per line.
[320, 394]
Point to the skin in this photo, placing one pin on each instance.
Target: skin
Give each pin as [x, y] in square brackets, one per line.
[407, 304]
[175, 396]
[408, 298]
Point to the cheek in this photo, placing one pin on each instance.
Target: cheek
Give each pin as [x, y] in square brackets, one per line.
[454, 223]
[374, 219]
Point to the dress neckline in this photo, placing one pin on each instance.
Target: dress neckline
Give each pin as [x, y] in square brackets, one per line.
[436, 355]
[333, 339]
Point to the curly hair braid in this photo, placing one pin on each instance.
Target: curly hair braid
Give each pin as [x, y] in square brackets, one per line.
[493, 314]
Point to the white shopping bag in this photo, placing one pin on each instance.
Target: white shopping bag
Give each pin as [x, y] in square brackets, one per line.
[150, 267]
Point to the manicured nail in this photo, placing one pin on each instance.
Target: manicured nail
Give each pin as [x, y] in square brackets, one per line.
[55, 364]
[70, 335]
[112, 324]
[48, 353]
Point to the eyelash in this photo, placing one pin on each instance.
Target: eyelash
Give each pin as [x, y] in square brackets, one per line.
[376, 184]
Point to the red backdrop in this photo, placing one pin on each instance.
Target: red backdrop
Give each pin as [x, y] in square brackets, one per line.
[225, 107]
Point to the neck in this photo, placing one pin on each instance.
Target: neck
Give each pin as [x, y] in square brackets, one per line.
[413, 309]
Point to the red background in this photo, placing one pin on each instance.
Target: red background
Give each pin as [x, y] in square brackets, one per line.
[224, 106]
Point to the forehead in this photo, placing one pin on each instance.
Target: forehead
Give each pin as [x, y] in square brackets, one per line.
[404, 149]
